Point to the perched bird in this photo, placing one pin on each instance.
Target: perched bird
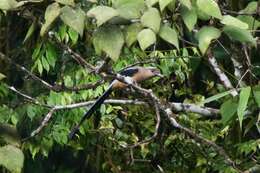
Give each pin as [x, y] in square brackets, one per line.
[137, 74]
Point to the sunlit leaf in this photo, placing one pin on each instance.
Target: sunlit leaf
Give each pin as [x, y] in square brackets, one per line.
[146, 38]
[186, 3]
[151, 19]
[2, 76]
[253, 24]
[110, 40]
[74, 18]
[205, 36]
[8, 4]
[170, 35]
[239, 34]
[230, 20]
[189, 17]
[242, 104]
[129, 9]
[51, 13]
[11, 158]
[164, 3]
[210, 7]
[102, 14]
[131, 33]
[66, 2]
[250, 8]
[150, 3]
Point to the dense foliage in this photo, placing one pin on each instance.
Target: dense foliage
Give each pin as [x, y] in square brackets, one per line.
[202, 116]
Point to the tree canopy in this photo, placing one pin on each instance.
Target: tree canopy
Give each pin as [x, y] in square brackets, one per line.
[58, 56]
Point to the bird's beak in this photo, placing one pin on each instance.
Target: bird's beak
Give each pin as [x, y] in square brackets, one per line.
[159, 75]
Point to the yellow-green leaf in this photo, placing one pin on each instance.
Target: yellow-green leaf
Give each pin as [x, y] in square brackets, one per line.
[102, 14]
[150, 3]
[152, 19]
[51, 13]
[232, 21]
[164, 3]
[189, 17]
[210, 7]
[129, 9]
[2, 76]
[66, 2]
[74, 18]
[8, 4]
[205, 36]
[186, 3]
[146, 38]
[11, 158]
[242, 104]
[228, 110]
[131, 33]
[30, 31]
[110, 40]
[170, 35]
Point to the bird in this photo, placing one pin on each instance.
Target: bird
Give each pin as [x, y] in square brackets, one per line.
[137, 74]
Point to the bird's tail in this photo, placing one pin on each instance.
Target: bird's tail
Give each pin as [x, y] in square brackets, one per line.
[92, 109]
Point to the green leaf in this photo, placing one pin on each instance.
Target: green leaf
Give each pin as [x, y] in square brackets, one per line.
[232, 21]
[186, 3]
[151, 19]
[210, 7]
[242, 104]
[216, 97]
[74, 18]
[205, 36]
[256, 91]
[39, 65]
[45, 64]
[51, 13]
[66, 2]
[228, 110]
[110, 40]
[170, 35]
[239, 34]
[102, 14]
[129, 9]
[150, 3]
[2, 76]
[164, 3]
[250, 8]
[30, 31]
[11, 158]
[201, 15]
[250, 20]
[189, 17]
[131, 33]
[146, 38]
[51, 54]
[73, 35]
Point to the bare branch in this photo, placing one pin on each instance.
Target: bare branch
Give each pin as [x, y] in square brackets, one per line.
[187, 107]
[222, 76]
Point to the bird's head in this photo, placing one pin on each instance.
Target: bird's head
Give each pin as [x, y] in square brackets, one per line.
[154, 71]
